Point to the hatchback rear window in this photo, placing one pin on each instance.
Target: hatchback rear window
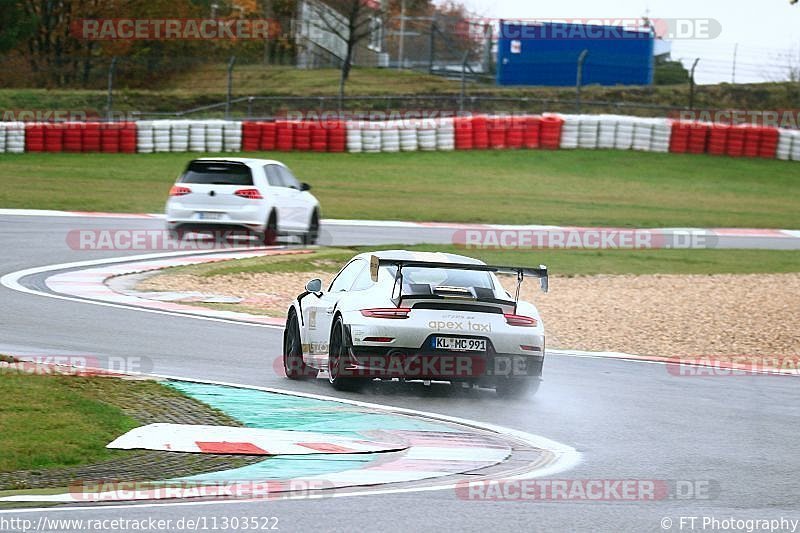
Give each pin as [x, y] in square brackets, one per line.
[212, 173]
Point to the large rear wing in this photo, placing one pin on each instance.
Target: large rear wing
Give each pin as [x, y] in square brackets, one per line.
[521, 272]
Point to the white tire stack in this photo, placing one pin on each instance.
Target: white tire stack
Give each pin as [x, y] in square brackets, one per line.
[445, 134]
[642, 134]
[569, 131]
[161, 134]
[390, 136]
[662, 132]
[408, 137]
[795, 152]
[3, 136]
[214, 135]
[785, 138]
[179, 141]
[15, 137]
[144, 137]
[624, 138]
[426, 135]
[371, 137]
[197, 136]
[588, 130]
[232, 135]
[607, 132]
[354, 137]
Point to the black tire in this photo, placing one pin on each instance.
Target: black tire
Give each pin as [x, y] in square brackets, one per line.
[270, 235]
[293, 363]
[312, 235]
[517, 387]
[338, 350]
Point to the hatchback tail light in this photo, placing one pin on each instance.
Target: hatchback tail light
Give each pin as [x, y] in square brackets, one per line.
[177, 190]
[522, 321]
[250, 194]
[389, 312]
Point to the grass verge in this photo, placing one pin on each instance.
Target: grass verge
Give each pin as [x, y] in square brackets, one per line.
[591, 188]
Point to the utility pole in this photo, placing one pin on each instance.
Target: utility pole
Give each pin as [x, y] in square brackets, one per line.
[402, 33]
[691, 84]
[230, 87]
[579, 80]
[735, 52]
[110, 97]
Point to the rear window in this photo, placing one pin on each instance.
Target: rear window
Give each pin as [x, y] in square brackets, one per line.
[211, 173]
[449, 277]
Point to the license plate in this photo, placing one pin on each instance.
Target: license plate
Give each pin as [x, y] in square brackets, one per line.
[459, 344]
[204, 215]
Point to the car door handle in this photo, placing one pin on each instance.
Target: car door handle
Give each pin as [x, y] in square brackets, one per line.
[330, 310]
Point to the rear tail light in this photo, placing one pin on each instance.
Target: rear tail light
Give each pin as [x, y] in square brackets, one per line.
[250, 194]
[378, 339]
[522, 321]
[177, 190]
[389, 312]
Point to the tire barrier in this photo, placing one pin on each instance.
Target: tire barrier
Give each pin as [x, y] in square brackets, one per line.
[550, 131]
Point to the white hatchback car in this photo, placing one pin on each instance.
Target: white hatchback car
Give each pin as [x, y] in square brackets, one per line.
[259, 196]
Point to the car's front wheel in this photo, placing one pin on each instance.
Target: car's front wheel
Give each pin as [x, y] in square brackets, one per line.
[338, 349]
[293, 363]
[312, 235]
[270, 235]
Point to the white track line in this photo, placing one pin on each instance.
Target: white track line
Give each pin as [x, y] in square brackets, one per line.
[565, 457]
[11, 281]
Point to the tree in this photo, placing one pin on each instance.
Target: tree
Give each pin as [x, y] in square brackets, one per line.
[15, 24]
[351, 21]
[668, 72]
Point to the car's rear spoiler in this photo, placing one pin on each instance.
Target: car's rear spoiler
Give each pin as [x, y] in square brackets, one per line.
[521, 272]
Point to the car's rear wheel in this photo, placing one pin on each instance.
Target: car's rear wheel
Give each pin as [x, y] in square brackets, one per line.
[293, 363]
[338, 350]
[270, 236]
[312, 235]
[516, 387]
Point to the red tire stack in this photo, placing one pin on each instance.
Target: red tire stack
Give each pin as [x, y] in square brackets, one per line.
[319, 136]
[480, 132]
[73, 137]
[302, 135]
[718, 139]
[269, 136]
[463, 133]
[498, 131]
[284, 136]
[550, 132]
[752, 141]
[337, 136]
[109, 137]
[251, 136]
[735, 147]
[769, 143]
[127, 138]
[34, 137]
[679, 138]
[53, 137]
[515, 137]
[91, 137]
[531, 132]
[698, 137]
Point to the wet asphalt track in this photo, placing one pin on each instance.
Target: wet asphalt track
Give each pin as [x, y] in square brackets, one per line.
[629, 420]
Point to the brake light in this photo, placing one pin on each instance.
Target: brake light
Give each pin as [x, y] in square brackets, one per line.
[177, 190]
[378, 339]
[522, 321]
[250, 194]
[389, 312]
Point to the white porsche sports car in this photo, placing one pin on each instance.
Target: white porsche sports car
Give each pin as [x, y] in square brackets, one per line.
[417, 316]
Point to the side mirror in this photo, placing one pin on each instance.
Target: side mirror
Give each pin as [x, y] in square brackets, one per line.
[305, 186]
[315, 285]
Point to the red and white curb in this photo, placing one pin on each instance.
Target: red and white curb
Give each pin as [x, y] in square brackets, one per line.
[425, 455]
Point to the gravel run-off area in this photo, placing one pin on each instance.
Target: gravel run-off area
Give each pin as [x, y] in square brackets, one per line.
[687, 316]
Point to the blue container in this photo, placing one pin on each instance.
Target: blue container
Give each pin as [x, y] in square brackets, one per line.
[547, 54]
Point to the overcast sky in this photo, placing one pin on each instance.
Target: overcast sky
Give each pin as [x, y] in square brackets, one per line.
[768, 31]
